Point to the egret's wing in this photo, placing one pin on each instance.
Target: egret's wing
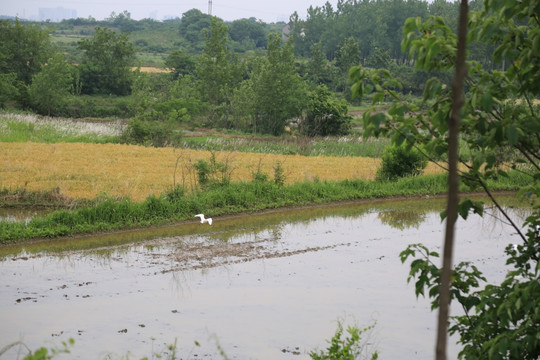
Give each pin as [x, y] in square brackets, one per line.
[210, 221]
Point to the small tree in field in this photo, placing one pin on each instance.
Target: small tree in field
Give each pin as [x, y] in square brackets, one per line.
[107, 61]
[51, 87]
[278, 91]
[500, 126]
[400, 161]
[326, 114]
[218, 71]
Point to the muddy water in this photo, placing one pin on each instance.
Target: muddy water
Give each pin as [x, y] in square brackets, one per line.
[22, 214]
[265, 286]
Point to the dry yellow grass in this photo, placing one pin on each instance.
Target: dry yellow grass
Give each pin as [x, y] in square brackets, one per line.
[151, 70]
[88, 170]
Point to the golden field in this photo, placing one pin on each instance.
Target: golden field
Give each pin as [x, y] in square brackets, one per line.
[90, 170]
[151, 70]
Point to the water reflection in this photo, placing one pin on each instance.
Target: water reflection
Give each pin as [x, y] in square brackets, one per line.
[400, 219]
[398, 214]
[262, 283]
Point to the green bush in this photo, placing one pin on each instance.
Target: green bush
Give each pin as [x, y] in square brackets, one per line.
[154, 133]
[326, 114]
[212, 173]
[399, 161]
[350, 348]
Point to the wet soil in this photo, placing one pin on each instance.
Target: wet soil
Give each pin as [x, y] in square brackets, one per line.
[265, 286]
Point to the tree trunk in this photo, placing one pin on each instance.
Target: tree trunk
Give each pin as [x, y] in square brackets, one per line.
[453, 183]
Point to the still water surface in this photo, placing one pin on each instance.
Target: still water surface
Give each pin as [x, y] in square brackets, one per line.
[265, 286]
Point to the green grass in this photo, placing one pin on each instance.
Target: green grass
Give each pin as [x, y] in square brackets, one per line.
[330, 146]
[26, 127]
[110, 214]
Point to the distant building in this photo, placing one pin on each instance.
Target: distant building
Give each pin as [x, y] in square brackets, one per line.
[56, 14]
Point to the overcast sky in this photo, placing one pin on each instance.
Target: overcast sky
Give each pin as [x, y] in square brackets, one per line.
[266, 10]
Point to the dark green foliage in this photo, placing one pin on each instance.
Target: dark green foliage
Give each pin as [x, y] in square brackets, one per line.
[326, 114]
[218, 72]
[400, 161]
[156, 97]
[279, 174]
[8, 88]
[180, 63]
[153, 133]
[24, 48]
[192, 26]
[213, 173]
[106, 64]
[247, 34]
[51, 87]
[499, 127]
[99, 106]
[500, 321]
[258, 175]
[274, 82]
[318, 67]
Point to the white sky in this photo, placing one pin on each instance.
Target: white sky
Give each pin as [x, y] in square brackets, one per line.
[266, 10]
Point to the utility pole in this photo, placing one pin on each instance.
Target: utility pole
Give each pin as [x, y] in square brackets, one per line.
[209, 7]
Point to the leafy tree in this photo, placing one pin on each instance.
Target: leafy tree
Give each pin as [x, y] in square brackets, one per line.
[192, 26]
[218, 71]
[8, 88]
[297, 34]
[248, 31]
[51, 87]
[348, 55]
[278, 91]
[243, 105]
[123, 21]
[24, 48]
[318, 66]
[500, 126]
[180, 63]
[326, 115]
[107, 61]
[379, 59]
[400, 161]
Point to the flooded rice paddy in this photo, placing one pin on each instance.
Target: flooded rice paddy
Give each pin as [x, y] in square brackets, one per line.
[262, 286]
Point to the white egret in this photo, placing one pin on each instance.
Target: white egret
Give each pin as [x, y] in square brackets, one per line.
[203, 219]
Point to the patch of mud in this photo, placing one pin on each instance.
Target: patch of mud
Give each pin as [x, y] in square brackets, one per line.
[203, 256]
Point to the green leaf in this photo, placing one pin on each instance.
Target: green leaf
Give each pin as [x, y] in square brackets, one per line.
[512, 134]
[486, 101]
[443, 215]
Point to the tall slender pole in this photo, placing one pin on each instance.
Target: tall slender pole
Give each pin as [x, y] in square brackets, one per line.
[209, 7]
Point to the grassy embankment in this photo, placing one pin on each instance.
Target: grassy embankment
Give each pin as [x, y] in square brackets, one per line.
[174, 205]
[129, 186]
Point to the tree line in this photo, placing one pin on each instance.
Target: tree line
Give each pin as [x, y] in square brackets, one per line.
[217, 88]
[215, 80]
